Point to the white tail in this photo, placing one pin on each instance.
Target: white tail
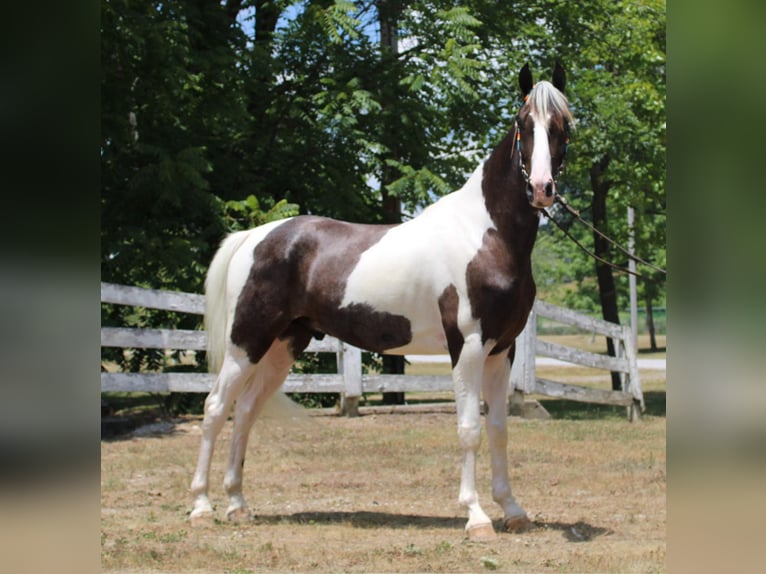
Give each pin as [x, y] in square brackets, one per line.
[217, 314]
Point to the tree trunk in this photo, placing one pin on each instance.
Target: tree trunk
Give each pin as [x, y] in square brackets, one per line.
[267, 15]
[388, 17]
[607, 289]
[650, 324]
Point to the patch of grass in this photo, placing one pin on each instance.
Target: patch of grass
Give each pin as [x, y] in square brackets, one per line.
[413, 550]
[170, 537]
[489, 563]
[379, 493]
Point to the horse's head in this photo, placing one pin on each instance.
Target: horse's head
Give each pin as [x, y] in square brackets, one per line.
[542, 134]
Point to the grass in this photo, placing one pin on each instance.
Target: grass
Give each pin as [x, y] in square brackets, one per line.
[379, 493]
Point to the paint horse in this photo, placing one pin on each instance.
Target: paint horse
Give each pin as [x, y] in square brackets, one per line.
[456, 278]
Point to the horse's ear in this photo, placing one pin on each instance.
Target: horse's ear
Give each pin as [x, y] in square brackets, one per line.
[559, 77]
[525, 80]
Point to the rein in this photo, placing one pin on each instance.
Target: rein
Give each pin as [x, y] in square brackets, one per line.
[577, 216]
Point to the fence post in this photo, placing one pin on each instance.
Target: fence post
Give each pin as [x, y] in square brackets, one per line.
[631, 383]
[350, 366]
[523, 368]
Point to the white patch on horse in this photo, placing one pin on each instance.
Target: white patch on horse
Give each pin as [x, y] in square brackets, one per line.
[410, 267]
[540, 169]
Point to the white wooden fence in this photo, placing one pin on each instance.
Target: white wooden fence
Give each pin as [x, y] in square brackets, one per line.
[350, 382]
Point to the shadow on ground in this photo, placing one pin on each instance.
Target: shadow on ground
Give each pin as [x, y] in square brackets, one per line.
[364, 519]
[573, 532]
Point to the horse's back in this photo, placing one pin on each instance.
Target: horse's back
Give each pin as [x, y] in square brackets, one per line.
[376, 286]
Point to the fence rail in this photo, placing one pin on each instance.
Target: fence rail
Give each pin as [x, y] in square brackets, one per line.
[349, 381]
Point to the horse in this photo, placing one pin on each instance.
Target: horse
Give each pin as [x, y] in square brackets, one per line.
[456, 278]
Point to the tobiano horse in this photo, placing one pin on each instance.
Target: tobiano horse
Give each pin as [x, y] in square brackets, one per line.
[456, 278]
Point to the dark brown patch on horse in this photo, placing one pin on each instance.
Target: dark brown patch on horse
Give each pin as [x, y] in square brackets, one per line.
[295, 290]
[501, 290]
[299, 334]
[503, 188]
[449, 302]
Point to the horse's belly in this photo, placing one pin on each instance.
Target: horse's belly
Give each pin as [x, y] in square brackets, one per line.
[398, 331]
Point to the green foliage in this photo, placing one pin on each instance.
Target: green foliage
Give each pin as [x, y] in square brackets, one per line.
[614, 53]
[247, 213]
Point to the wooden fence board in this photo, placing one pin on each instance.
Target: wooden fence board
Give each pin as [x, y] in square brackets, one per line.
[157, 382]
[582, 394]
[376, 383]
[186, 339]
[325, 383]
[153, 298]
[569, 317]
[203, 382]
[580, 357]
[153, 338]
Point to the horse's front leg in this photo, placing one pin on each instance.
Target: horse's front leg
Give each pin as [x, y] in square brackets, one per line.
[497, 372]
[467, 376]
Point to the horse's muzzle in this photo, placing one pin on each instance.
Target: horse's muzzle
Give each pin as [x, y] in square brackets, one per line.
[541, 195]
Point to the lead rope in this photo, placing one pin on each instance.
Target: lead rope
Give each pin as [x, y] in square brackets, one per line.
[577, 216]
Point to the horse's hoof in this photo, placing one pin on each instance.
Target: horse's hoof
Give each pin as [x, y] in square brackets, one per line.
[481, 533]
[239, 515]
[517, 523]
[205, 518]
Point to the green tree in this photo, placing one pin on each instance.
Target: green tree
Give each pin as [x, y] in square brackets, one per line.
[615, 52]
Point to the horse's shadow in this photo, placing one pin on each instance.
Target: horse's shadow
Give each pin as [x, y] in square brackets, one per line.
[364, 519]
[573, 532]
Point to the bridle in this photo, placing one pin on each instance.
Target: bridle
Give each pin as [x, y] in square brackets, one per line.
[574, 212]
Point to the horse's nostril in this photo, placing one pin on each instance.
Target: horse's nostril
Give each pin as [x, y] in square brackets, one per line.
[549, 189]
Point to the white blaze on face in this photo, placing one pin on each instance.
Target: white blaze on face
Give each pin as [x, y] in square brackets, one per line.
[540, 168]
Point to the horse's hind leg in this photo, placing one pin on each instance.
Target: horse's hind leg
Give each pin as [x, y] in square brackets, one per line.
[235, 371]
[270, 373]
[495, 383]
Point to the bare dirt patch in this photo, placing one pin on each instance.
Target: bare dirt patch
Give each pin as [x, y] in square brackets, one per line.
[379, 494]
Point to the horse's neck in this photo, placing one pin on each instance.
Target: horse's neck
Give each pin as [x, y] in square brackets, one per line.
[505, 199]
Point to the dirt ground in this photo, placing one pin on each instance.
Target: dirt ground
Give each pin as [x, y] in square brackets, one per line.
[379, 494]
